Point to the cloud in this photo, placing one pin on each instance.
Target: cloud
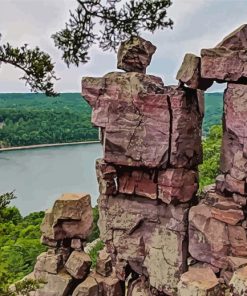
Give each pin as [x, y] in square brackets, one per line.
[197, 24]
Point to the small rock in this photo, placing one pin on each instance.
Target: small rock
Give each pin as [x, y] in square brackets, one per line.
[190, 73]
[199, 281]
[104, 264]
[89, 287]
[236, 262]
[76, 244]
[239, 282]
[134, 55]
[238, 240]
[78, 264]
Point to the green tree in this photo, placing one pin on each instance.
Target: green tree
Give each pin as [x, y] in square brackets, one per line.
[37, 66]
[118, 20]
[211, 156]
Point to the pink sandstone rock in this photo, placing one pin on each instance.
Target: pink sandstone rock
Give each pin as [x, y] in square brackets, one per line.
[237, 40]
[137, 182]
[148, 236]
[70, 217]
[223, 65]
[208, 237]
[135, 112]
[104, 263]
[238, 241]
[78, 265]
[190, 73]
[199, 281]
[177, 185]
[134, 55]
[185, 142]
[106, 175]
[138, 287]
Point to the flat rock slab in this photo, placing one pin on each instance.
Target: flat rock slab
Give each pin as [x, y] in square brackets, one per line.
[224, 65]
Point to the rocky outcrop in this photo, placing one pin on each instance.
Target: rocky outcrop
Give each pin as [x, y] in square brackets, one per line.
[148, 176]
[65, 269]
[160, 239]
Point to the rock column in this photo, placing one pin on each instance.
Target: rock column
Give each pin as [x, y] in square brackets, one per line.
[217, 226]
[148, 177]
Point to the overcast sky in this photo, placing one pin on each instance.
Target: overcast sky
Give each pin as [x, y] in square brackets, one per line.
[197, 24]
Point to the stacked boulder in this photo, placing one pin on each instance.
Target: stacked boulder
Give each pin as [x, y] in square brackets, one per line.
[64, 269]
[148, 177]
[217, 226]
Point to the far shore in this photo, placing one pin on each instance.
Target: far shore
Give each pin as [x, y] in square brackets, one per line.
[47, 145]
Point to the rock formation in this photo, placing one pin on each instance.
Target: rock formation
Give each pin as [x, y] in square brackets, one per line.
[64, 270]
[160, 238]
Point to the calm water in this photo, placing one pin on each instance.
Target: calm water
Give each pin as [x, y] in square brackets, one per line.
[39, 176]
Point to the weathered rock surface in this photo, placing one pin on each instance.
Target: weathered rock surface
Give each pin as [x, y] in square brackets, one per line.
[56, 285]
[135, 111]
[71, 216]
[104, 263]
[222, 64]
[78, 265]
[89, 287]
[208, 237]
[237, 40]
[138, 287]
[239, 282]
[147, 237]
[190, 73]
[199, 282]
[134, 55]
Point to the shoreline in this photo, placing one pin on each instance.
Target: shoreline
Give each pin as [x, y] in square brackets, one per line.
[46, 145]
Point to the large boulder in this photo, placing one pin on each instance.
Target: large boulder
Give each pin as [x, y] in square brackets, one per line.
[145, 123]
[134, 113]
[70, 217]
[134, 55]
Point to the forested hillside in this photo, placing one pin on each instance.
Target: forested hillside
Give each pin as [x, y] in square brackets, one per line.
[31, 119]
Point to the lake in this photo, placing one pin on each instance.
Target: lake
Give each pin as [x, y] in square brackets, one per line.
[40, 175]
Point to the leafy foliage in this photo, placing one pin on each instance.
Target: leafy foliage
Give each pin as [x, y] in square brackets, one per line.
[211, 156]
[37, 66]
[108, 24]
[95, 232]
[5, 200]
[19, 245]
[94, 252]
